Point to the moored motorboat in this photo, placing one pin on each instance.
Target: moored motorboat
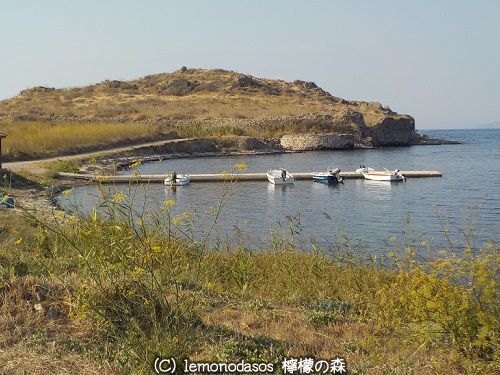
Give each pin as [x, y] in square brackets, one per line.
[280, 177]
[385, 175]
[177, 179]
[331, 176]
[6, 201]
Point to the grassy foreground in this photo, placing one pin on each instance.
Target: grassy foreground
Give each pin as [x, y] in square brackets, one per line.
[108, 293]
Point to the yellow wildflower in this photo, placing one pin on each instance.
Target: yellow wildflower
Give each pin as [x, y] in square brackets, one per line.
[18, 242]
[67, 192]
[135, 165]
[118, 198]
[138, 271]
[169, 202]
[240, 166]
[210, 286]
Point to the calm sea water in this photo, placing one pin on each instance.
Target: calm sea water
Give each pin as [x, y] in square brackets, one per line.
[465, 201]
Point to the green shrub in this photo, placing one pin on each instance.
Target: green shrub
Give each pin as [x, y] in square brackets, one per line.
[68, 166]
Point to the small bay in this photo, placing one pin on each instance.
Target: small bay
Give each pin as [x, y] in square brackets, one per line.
[464, 202]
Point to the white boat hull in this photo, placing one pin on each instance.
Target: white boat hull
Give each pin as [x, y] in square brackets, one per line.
[371, 174]
[181, 180]
[275, 178]
[375, 177]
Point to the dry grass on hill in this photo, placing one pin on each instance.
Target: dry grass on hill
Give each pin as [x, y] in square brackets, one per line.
[45, 121]
[183, 94]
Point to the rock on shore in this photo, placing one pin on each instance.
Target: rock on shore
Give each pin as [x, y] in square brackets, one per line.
[309, 142]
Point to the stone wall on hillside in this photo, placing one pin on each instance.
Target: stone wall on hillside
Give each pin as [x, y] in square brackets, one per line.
[310, 142]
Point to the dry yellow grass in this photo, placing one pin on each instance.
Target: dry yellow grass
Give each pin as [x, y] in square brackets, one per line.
[190, 94]
[31, 140]
[365, 351]
[31, 341]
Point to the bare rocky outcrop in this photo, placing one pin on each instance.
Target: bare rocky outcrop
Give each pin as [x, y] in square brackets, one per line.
[37, 90]
[314, 142]
[176, 87]
[423, 139]
[390, 131]
[115, 84]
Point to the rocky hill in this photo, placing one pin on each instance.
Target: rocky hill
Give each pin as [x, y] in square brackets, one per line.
[215, 97]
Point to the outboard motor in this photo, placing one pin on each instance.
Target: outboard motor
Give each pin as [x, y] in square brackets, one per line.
[174, 177]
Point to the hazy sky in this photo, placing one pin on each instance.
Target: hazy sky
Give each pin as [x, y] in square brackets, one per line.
[436, 60]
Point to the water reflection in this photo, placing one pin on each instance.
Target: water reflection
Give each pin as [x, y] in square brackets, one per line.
[274, 188]
[378, 190]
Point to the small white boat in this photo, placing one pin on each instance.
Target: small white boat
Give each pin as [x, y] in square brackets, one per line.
[331, 176]
[177, 180]
[280, 177]
[385, 175]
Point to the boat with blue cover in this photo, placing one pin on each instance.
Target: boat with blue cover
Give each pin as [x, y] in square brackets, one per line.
[331, 176]
[6, 201]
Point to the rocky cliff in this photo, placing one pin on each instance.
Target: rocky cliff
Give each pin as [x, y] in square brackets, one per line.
[198, 97]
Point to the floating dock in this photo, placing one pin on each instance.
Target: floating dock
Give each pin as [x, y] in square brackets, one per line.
[221, 177]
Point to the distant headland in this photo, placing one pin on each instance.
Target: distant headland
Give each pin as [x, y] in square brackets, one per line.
[198, 103]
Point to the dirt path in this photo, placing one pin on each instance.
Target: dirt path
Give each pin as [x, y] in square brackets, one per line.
[34, 166]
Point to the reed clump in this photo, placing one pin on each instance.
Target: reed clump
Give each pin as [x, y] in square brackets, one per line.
[124, 286]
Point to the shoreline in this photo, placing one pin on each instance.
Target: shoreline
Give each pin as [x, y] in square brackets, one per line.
[254, 144]
[39, 196]
[123, 162]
